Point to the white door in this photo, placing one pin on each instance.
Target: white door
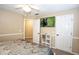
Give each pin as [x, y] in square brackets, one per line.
[36, 31]
[64, 31]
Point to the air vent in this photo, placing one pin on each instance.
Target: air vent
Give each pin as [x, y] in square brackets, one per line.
[37, 14]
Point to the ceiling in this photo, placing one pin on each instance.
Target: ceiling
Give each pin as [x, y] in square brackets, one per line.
[43, 8]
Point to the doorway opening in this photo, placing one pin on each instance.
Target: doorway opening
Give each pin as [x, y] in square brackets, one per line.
[29, 31]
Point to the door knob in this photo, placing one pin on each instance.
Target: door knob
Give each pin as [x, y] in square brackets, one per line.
[57, 34]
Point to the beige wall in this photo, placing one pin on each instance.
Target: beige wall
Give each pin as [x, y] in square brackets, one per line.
[28, 28]
[11, 25]
[75, 44]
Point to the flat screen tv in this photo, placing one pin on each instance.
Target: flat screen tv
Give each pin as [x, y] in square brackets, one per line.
[47, 22]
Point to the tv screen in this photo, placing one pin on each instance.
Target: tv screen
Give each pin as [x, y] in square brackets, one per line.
[48, 22]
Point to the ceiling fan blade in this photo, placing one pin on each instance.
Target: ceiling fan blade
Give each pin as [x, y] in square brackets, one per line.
[18, 6]
[27, 7]
[34, 7]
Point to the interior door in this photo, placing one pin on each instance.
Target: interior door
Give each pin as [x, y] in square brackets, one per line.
[36, 31]
[64, 31]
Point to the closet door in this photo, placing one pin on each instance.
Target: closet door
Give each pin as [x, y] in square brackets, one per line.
[36, 31]
[64, 31]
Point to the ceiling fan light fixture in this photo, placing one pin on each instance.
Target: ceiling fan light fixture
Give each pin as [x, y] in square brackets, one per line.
[26, 9]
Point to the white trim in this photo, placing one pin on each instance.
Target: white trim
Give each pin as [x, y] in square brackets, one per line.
[74, 53]
[10, 34]
[67, 51]
[75, 37]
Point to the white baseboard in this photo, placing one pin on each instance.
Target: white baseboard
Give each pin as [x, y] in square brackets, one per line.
[74, 53]
[1, 35]
[68, 51]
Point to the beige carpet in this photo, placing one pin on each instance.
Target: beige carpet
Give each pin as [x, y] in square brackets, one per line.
[19, 47]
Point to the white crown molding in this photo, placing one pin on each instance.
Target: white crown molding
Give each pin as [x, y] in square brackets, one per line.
[10, 34]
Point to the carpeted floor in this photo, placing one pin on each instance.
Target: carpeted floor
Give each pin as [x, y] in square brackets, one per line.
[19, 47]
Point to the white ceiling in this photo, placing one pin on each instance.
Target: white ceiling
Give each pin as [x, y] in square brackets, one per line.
[43, 8]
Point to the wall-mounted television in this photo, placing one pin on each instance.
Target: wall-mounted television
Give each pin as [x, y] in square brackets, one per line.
[47, 22]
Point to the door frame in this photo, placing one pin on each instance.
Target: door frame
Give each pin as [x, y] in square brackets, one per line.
[27, 38]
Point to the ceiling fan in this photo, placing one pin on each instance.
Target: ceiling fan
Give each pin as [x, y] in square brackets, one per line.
[27, 7]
